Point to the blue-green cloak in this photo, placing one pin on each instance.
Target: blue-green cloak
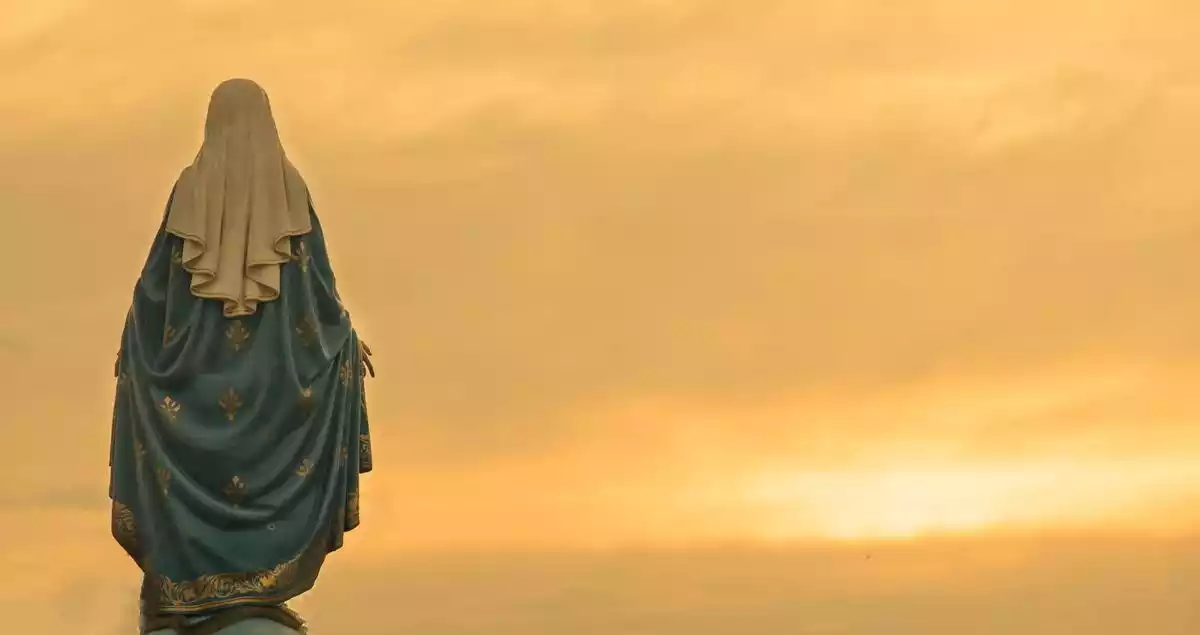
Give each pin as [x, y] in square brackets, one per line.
[237, 443]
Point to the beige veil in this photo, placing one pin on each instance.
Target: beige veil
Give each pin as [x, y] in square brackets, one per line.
[238, 204]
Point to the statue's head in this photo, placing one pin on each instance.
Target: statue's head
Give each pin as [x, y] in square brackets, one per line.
[238, 103]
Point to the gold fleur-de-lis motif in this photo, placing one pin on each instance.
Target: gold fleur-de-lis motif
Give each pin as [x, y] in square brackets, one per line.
[364, 452]
[305, 468]
[306, 399]
[170, 408]
[124, 524]
[237, 334]
[345, 373]
[230, 402]
[168, 334]
[301, 256]
[235, 490]
[164, 479]
[351, 510]
[307, 330]
[176, 255]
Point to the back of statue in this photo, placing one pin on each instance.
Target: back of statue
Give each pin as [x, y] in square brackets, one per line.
[239, 426]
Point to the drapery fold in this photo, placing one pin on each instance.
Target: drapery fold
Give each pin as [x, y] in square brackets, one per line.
[237, 443]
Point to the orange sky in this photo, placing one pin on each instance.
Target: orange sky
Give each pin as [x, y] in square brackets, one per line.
[650, 271]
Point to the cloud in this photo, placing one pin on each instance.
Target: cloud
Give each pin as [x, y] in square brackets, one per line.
[707, 226]
[928, 588]
[547, 215]
[11, 345]
[56, 496]
[26, 21]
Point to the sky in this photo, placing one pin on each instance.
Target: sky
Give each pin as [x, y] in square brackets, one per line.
[693, 293]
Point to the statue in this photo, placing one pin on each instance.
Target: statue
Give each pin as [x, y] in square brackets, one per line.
[239, 427]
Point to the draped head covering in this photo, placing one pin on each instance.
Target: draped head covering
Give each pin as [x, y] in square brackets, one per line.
[239, 202]
[239, 431]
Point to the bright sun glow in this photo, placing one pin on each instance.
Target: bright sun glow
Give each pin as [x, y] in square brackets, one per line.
[903, 504]
[900, 504]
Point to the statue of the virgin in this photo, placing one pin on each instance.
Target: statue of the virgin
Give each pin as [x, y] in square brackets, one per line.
[240, 424]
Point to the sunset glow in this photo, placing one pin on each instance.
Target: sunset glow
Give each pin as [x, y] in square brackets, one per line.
[657, 278]
[899, 504]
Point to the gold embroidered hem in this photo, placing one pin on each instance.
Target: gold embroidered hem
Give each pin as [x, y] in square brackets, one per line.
[224, 590]
[229, 589]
